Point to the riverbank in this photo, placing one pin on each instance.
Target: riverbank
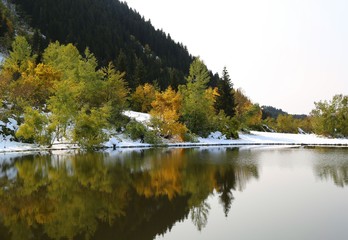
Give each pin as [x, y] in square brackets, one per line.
[215, 139]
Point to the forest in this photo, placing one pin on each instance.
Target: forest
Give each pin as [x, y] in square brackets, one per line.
[61, 81]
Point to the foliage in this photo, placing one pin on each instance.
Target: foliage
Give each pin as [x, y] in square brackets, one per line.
[143, 97]
[64, 106]
[198, 101]
[89, 125]
[226, 125]
[286, 124]
[151, 137]
[11, 84]
[190, 137]
[247, 113]
[137, 130]
[35, 85]
[19, 58]
[305, 124]
[115, 91]
[166, 113]
[34, 127]
[225, 99]
[81, 98]
[7, 28]
[330, 118]
[115, 33]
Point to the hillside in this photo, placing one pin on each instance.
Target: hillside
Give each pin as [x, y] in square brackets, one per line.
[113, 32]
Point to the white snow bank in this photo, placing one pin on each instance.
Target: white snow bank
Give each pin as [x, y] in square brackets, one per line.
[138, 116]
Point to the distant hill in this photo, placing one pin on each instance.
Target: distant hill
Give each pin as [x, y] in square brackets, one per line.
[272, 112]
[113, 32]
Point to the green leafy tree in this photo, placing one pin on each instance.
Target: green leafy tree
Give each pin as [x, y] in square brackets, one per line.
[89, 125]
[83, 95]
[90, 80]
[330, 118]
[63, 58]
[12, 85]
[247, 113]
[198, 104]
[286, 124]
[19, 58]
[34, 127]
[115, 91]
[64, 106]
[226, 125]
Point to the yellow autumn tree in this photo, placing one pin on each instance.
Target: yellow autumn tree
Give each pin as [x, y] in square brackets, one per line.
[248, 113]
[166, 113]
[35, 86]
[143, 97]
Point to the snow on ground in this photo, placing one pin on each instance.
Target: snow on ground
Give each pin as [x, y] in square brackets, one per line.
[120, 140]
[138, 116]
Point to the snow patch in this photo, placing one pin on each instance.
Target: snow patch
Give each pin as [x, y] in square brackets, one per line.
[217, 135]
[138, 116]
[12, 124]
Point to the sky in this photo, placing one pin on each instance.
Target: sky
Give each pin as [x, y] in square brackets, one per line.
[283, 53]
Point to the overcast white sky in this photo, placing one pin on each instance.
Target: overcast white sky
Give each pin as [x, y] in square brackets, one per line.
[283, 53]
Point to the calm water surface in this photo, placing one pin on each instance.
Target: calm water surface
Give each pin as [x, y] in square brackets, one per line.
[197, 193]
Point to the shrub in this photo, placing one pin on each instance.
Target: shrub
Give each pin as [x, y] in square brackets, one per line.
[226, 125]
[152, 137]
[137, 130]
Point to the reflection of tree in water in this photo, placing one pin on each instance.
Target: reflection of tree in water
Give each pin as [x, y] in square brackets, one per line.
[199, 215]
[338, 173]
[331, 164]
[226, 182]
[95, 196]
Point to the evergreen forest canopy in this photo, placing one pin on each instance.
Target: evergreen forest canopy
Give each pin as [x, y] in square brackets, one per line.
[113, 32]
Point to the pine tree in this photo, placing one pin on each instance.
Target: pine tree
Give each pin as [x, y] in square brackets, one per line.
[225, 101]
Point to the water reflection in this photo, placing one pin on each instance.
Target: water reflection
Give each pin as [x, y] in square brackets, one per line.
[140, 194]
[332, 167]
[118, 195]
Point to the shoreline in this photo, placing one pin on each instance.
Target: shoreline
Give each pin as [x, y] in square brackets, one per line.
[181, 145]
[254, 138]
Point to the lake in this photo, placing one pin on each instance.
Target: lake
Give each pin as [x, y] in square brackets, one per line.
[176, 193]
